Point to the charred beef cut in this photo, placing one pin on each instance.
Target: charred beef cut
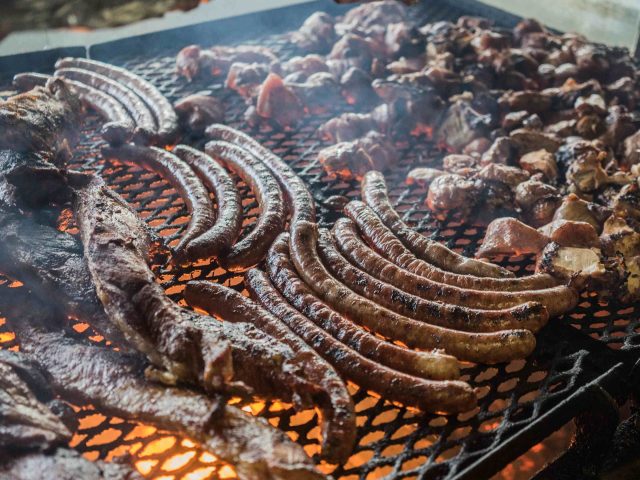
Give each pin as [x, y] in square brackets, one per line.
[41, 120]
[32, 436]
[115, 384]
[50, 262]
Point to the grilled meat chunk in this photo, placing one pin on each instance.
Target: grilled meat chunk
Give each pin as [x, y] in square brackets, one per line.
[246, 78]
[32, 436]
[196, 112]
[317, 33]
[278, 101]
[537, 200]
[193, 61]
[43, 120]
[453, 192]
[50, 262]
[26, 422]
[348, 160]
[115, 384]
[508, 236]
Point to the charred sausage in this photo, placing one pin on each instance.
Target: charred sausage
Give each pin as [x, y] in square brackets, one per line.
[495, 347]
[531, 316]
[429, 395]
[145, 123]
[163, 111]
[183, 178]
[556, 300]
[326, 387]
[226, 230]
[299, 199]
[432, 365]
[374, 194]
[253, 247]
[387, 244]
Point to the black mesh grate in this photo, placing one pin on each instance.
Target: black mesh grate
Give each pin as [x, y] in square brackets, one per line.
[393, 441]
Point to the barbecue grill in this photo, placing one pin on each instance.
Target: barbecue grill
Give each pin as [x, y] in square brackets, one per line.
[584, 361]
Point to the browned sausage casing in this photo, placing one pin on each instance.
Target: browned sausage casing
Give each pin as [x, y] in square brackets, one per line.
[495, 347]
[531, 316]
[556, 300]
[432, 365]
[317, 377]
[162, 110]
[386, 243]
[374, 194]
[226, 230]
[253, 247]
[433, 396]
[145, 123]
[180, 175]
[300, 201]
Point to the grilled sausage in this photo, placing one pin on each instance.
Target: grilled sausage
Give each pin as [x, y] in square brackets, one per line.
[556, 300]
[119, 127]
[531, 316]
[387, 244]
[163, 111]
[183, 178]
[374, 194]
[145, 123]
[226, 230]
[327, 388]
[429, 395]
[299, 199]
[432, 365]
[253, 247]
[477, 347]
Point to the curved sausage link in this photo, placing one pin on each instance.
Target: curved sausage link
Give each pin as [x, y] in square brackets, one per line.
[145, 123]
[252, 248]
[387, 244]
[183, 178]
[119, 127]
[429, 395]
[299, 199]
[531, 316]
[162, 109]
[314, 377]
[218, 239]
[432, 365]
[556, 300]
[494, 347]
[374, 193]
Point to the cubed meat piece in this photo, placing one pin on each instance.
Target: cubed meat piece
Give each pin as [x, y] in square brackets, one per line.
[246, 78]
[568, 233]
[453, 192]
[278, 102]
[509, 236]
[423, 176]
[540, 161]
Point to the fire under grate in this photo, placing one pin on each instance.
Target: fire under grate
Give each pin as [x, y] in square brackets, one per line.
[518, 402]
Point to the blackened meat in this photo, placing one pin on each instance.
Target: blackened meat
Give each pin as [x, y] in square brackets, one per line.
[196, 112]
[44, 120]
[115, 384]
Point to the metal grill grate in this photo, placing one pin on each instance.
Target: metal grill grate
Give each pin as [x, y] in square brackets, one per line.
[393, 441]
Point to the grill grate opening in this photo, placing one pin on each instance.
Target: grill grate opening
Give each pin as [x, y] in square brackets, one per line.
[394, 442]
